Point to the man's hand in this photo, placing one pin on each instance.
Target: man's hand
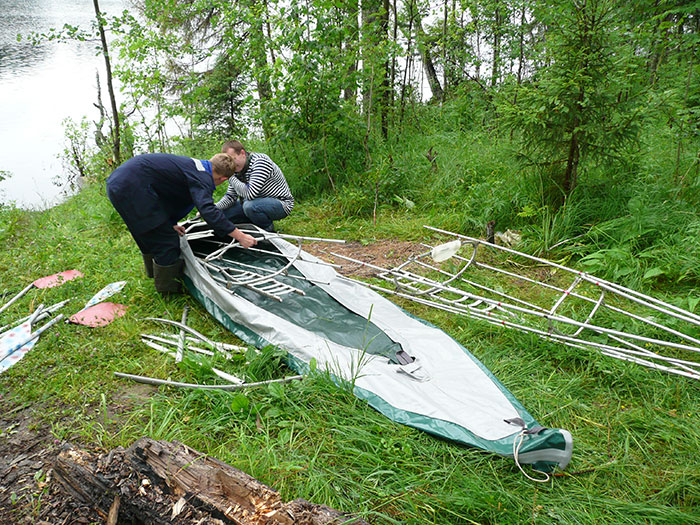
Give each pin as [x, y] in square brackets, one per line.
[243, 239]
[179, 229]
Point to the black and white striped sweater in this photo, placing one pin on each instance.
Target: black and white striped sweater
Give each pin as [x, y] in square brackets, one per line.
[260, 178]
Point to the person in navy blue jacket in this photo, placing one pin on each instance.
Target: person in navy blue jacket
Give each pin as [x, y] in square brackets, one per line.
[152, 192]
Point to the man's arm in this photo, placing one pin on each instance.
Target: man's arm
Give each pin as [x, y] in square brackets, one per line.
[214, 217]
[230, 198]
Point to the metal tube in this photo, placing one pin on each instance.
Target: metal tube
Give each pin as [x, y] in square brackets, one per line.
[582, 297]
[189, 347]
[225, 346]
[153, 381]
[16, 297]
[43, 315]
[181, 339]
[558, 318]
[192, 331]
[268, 235]
[32, 336]
[569, 341]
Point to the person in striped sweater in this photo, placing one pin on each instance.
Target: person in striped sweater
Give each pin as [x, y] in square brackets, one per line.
[258, 192]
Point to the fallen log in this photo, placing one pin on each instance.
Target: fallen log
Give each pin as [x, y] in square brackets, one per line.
[159, 482]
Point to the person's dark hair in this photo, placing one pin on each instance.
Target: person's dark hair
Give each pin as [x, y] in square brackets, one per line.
[232, 144]
[223, 165]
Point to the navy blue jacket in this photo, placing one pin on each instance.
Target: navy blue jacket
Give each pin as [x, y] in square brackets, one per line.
[156, 188]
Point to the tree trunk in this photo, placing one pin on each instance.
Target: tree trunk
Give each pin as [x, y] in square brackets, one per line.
[368, 41]
[353, 25]
[147, 482]
[521, 54]
[574, 153]
[262, 73]
[376, 88]
[116, 143]
[496, 47]
[409, 58]
[444, 48]
[427, 59]
[386, 93]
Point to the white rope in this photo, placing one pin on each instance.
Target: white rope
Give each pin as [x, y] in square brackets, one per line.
[516, 450]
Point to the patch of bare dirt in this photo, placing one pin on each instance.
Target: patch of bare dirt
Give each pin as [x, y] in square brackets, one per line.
[385, 254]
[26, 459]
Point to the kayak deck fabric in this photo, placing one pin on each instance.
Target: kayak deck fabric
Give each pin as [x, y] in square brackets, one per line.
[404, 367]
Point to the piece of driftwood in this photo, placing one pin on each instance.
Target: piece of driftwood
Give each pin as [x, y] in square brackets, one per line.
[111, 487]
[150, 480]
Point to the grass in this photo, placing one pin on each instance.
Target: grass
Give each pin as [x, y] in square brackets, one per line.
[636, 437]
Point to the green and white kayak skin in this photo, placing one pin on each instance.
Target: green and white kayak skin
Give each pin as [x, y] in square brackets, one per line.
[407, 369]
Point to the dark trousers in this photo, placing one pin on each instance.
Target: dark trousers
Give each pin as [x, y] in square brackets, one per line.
[163, 243]
[260, 212]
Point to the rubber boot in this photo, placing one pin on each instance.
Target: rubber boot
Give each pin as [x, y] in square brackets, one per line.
[148, 264]
[167, 278]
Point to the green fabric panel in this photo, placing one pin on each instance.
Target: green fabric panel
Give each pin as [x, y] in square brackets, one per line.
[316, 311]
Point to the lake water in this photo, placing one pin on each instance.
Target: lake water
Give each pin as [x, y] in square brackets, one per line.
[40, 86]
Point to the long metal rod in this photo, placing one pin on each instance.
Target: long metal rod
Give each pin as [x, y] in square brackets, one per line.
[503, 322]
[165, 382]
[148, 338]
[229, 282]
[223, 375]
[230, 262]
[16, 297]
[212, 344]
[204, 351]
[482, 287]
[228, 377]
[610, 307]
[278, 272]
[181, 339]
[269, 235]
[32, 336]
[43, 315]
[265, 234]
[225, 346]
[221, 251]
[278, 254]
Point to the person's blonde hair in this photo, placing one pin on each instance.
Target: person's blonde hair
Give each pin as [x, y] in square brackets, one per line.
[223, 165]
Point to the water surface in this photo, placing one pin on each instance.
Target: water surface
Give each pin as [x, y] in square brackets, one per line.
[41, 86]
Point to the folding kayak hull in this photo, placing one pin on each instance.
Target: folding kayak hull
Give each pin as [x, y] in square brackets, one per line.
[407, 369]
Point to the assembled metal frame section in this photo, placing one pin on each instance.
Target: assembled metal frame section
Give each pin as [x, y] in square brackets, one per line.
[499, 308]
[433, 383]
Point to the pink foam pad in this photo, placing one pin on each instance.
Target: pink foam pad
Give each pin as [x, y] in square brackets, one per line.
[57, 279]
[99, 315]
